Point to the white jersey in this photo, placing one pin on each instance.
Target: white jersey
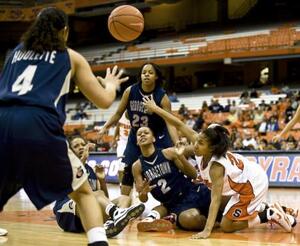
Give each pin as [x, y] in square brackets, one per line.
[124, 128]
[244, 180]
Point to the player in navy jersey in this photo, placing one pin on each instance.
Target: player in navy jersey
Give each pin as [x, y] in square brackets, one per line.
[149, 81]
[167, 175]
[66, 212]
[34, 154]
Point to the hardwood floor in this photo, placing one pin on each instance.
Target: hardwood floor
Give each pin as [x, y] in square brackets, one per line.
[27, 226]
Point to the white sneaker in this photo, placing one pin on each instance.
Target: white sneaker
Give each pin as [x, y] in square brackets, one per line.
[122, 216]
[290, 213]
[279, 217]
[3, 232]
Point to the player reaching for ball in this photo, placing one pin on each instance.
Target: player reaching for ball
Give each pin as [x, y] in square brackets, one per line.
[34, 153]
[229, 174]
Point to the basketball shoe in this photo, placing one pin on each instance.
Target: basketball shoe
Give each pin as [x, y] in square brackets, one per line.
[3, 232]
[121, 217]
[276, 215]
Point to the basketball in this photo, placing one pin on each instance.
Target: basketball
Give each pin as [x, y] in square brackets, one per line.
[125, 23]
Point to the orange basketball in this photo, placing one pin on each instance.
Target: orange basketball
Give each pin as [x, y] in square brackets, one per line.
[125, 23]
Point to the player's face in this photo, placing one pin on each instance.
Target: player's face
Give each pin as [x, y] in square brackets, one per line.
[144, 136]
[78, 146]
[148, 75]
[201, 146]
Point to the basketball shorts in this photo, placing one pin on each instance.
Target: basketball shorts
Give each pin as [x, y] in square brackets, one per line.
[65, 213]
[34, 155]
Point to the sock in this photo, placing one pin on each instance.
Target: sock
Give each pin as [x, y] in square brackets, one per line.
[254, 222]
[263, 216]
[154, 214]
[262, 207]
[110, 209]
[96, 234]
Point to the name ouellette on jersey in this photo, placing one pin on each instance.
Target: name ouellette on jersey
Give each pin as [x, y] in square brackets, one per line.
[36, 79]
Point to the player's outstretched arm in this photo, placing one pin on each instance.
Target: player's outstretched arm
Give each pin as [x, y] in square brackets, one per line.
[289, 126]
[143, 186]
[179, 125]
[101, 94]
[166, 105]
[180, 161]
[114, 119]
[216, 174]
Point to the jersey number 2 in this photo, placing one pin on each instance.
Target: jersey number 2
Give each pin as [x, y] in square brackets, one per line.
[163, 186]
[23, 83]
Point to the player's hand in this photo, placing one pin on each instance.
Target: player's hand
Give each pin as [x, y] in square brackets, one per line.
[276, 138]
[179, 147]
[201, 235]
[101, 131]
[91, 146]
[146, 187]
[113, 76]
[149, 103]
[100, 171]
[83, 156]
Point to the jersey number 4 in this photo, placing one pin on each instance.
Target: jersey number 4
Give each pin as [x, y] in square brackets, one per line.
[23, 83]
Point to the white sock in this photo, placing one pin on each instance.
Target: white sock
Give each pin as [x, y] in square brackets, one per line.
[108, 208]
[96, 234]
[154, 214]
[254, 222]
[261, 207]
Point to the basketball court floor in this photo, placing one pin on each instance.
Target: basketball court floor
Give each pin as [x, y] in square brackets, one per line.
[27, 226]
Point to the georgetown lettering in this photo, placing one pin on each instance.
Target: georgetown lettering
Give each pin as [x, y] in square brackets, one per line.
[137, 106]
[158, 171]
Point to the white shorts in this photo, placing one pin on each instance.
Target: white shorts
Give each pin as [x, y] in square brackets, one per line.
[121, 147]
[245, 205]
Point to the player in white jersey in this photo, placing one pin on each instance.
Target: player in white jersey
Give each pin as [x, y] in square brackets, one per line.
[121, 137]
[228, 174]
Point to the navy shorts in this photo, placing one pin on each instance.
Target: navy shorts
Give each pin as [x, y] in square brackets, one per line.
[34, 155]
[196, 196]
[65, 213]
[132, 153]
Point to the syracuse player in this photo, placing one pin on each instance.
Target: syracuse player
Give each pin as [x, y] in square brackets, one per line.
[229, 174]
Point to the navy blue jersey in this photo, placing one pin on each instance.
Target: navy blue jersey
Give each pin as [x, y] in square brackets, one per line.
[34, 79]
[92, 178]
[138, 116]
[169, 180]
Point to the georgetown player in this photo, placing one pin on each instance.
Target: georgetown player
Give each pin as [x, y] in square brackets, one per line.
[66, 211]
[150, 78]
[34, 154]
[167, 175]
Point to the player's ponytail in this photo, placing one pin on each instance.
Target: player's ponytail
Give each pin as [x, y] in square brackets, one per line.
[43, 34]
[218, 137]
